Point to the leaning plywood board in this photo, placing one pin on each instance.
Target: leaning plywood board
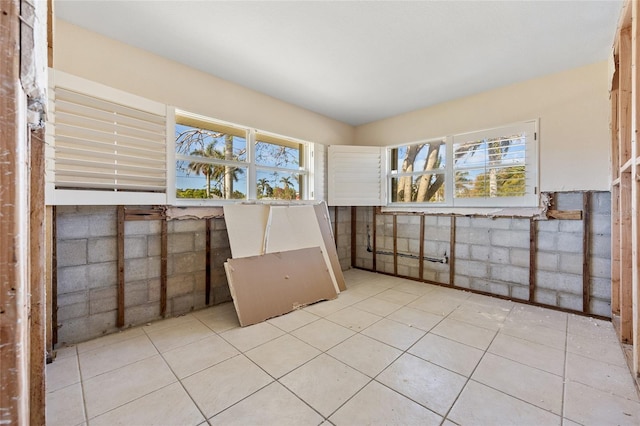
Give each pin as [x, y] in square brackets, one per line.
[246, 224]
[273, 284]
[296, 227]
[322, 213]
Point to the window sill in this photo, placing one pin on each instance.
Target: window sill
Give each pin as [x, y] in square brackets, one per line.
[524, 212]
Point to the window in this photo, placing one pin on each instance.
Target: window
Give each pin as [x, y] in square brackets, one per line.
[491, 168]
[220, 161]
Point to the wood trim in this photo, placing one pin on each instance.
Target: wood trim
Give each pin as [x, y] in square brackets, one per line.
[164, 248]
[586, 252]
[121, 277]
[533, 264]
[452, 251]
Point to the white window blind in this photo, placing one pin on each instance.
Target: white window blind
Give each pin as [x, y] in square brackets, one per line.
[104, 141]
[355, 175]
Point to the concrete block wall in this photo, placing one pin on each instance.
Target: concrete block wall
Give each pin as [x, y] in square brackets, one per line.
[342, 228]
[86, 238]
[493, 254]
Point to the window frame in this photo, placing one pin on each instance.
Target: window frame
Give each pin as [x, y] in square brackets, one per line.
[531, 199]
[306, 194]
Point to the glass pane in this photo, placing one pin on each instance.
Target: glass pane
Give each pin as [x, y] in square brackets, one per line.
[278, 185]
[196, 179]
[496, 152]
[425, 188]
[212, 143]
[497, 182]
[283, 154]
[413, 158]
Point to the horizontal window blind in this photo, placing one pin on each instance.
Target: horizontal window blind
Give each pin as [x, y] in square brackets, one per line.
[355, 176]
[103, 145]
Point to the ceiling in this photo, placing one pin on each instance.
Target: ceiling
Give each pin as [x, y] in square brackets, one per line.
[361, 61]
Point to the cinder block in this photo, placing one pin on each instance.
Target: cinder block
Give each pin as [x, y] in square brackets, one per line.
[135, 246]
[570, 301]
[221, 295]
[66, 210]
[570, 242]
[179, 285]
[136, 294]
[510, 274]
[462, 251]
[103, 300]
[463, 222]
[154, 245]
[137, 227]
[189, 225]
[103, 249]
[601, 224]
[76, 310]
[72, 226]
[508, 238]
[73, 331]
[136, 269]
[474, 236]
[569, 200]
[154, 290]
[444, 221]
[519, 257]
[520, 224]
[490, 287]
[601, 288]
[499, 255]
[601, 246]
[181, 243]
[480, 252]
[200, 280]
[403, 270]
[489, 223]
[102, 274]
[72, 279]
[462, 281]
[520, 292]
[219, 239]
[571, 226]
[566, 283]
[402, 219]
[402, 245]
[414, 246]
[551, 225]
[547, 241]
[570, 263]
[142, 314]
[72, 252]
[366, 264]
[181, 304]
[601, 202]
[547, 297]
[387, 244]
[102, 323]
[68, 299]
[472, 268]
[443, 277]
[199, 300]
[600, 307]
[414, 220]
[430, 220]
[547, 261]
[601, 268]
[104, 224]
[188, 262]
[219, 224]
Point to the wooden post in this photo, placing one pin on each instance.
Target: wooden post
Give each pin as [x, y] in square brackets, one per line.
[335, 227]
[533, 251]
[120, 244]
[374, 240]
[354, 228]
[48, 241]
[54, 275]
[626, 270]
[421, 264]
[395, 244]
[164, 248]
[615, 250]
[207, 285]
[586, 252]
[14, 226]
[452, 251]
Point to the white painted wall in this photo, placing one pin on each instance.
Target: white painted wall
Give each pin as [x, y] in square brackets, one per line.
[103, 60]
[573, 107]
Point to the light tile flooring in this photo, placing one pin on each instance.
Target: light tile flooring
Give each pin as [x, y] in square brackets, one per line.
[387, 351]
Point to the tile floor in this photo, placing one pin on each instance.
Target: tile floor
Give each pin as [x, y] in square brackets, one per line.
[387, 351]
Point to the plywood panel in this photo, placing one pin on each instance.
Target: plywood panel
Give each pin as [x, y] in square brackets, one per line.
[246, 224]
[296, 227]
[273, 284]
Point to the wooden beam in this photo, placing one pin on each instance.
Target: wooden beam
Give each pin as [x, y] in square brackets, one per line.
[626, 261]
[48, 240]
[421, 264]
[635, 194]
[565, 214]
[452, 251]
[533, 256]
[615, 250]
[207, 285]
[354, 228]
[14, 322]
[38, 299]
[54, 275]
[586, 252]
[374, 227]
[395, 244]
[335, 228]
[120, 244]
[624, 97]
[164, 249]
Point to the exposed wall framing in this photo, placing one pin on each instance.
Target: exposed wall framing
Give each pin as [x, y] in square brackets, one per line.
[625, 200]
